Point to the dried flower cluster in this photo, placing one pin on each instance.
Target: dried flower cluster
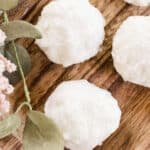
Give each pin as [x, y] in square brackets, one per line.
[5, 87]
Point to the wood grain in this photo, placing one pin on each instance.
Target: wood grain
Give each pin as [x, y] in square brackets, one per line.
[134, 100]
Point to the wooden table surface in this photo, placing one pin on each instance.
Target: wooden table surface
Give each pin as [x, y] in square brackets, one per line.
[134, 100]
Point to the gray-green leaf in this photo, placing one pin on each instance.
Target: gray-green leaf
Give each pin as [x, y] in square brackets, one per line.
[24, 60]
[41, 133]
[20, 29]
[9, 125]
[8, 4]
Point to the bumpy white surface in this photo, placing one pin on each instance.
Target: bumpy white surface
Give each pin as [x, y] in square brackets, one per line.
[131, 50]
[72, 31]
[85, 114]
[2, 37]
[139, 2]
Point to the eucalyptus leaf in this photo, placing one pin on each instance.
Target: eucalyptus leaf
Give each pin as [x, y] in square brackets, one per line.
[41, 133]
[24, 60]
[8, 4]
[20, 29]
[9, 125]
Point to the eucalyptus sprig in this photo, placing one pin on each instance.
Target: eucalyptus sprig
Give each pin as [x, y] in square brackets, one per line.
[40, 132]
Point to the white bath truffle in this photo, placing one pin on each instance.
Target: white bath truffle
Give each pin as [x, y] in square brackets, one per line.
[131, 50]
[72, 31]
[139, 2]
[84, 113]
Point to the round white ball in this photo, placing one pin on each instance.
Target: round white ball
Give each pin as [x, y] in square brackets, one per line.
[131, 50]
[84, 113]
[72, 31]
[139, 2]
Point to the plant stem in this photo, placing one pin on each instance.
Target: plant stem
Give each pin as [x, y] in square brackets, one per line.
[22, 105]
[26, 90]
[27, 94]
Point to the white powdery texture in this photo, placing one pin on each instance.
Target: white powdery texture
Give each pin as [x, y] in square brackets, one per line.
[72, 31]
[84, 113]
[139, 2]
[131, 50]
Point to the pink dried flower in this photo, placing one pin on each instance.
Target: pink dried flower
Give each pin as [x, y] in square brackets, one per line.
[3, 82]
[2, 66]
[10, 67]
[2, 38]
[5, 87]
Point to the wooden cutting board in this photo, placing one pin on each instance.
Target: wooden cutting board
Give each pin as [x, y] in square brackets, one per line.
[134, 100]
